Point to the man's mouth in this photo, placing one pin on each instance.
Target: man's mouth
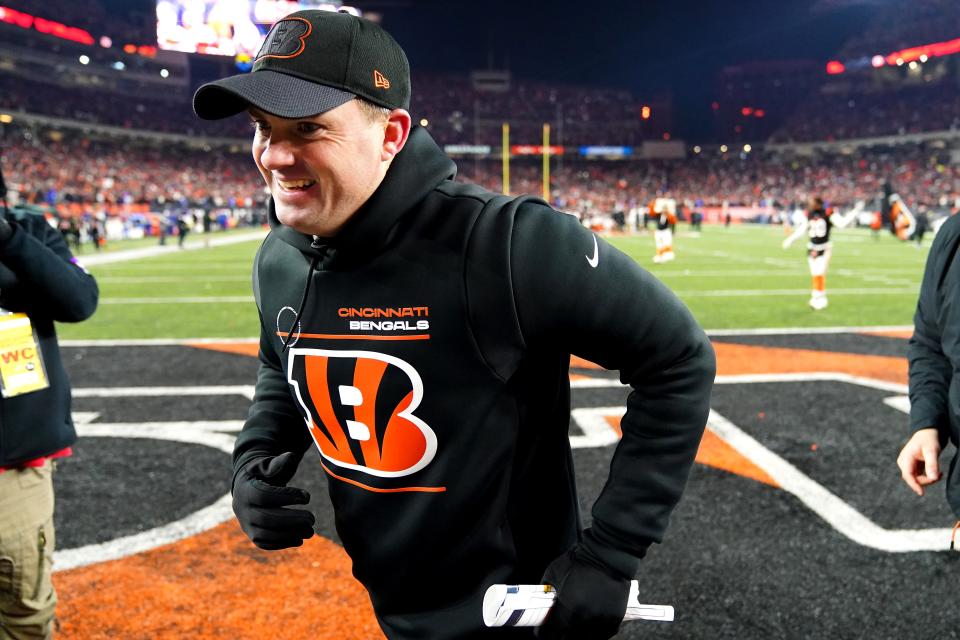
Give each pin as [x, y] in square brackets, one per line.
[296, 185]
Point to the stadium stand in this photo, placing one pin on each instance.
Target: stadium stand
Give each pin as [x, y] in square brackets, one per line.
[90, 140]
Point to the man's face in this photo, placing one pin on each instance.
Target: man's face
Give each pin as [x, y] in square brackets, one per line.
[320, 169]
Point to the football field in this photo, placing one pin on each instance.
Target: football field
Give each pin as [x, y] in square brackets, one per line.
[795, 523]
[731, 278]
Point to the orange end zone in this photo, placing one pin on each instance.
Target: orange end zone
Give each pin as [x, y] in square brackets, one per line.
[217, 585]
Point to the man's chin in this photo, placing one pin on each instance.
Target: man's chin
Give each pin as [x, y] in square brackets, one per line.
[298, 219]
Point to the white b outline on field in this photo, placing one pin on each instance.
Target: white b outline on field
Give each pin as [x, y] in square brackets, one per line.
[596, 432]
[835, 511]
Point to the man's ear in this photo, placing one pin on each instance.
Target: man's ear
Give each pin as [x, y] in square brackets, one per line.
[395, 134]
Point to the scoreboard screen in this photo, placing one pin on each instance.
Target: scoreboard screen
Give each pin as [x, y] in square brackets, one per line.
[225, 27]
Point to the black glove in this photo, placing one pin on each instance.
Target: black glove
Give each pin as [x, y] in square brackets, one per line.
[261, 498]
[591, 598]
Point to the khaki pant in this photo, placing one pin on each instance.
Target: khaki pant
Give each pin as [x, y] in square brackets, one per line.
[27, 598]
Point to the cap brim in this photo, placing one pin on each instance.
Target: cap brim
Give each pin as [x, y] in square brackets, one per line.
[276, 93]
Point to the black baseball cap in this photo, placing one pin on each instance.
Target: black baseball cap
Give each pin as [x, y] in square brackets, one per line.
[310, 62]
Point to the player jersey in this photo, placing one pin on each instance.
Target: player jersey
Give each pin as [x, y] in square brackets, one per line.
[818, 229]
[665, 210]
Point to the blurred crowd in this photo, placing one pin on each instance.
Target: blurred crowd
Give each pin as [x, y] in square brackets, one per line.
[760, 180]
[78, 176]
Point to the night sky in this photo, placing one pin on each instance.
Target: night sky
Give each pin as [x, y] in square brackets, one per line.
[644, 46]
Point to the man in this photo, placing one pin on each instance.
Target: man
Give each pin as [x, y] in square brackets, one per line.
[40, 283]
[419, 331]
[817, 225]
[934, 354]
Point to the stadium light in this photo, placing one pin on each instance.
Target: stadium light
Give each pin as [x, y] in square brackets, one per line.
[119, 66]
[747, 148]
[696, 149]
[877, 61]
[164, 73]
[424, 122]
[899, 62]
[6, 118]
[723, 148]
[84, 59]
[645, 112]
[924, 58]
[835, 67]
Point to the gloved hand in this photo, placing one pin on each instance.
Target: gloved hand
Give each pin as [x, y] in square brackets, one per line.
[261, 498]
[591, 598]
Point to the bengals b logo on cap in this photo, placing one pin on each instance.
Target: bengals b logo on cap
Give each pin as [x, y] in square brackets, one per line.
[286, 39]
[360, 407]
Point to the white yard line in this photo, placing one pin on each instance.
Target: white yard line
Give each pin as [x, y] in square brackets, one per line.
[147, 252]
[182, 300]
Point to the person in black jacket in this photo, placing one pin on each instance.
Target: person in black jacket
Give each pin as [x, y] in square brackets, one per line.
[934, 355]
[418, 332]
[40, 283]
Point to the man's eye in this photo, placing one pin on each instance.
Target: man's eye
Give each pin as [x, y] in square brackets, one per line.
[259, 126]
[308, 127]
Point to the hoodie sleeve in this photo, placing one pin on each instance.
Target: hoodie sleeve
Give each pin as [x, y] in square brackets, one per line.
[273, 425]
[48, 281]
[930, 370]
[575, 291]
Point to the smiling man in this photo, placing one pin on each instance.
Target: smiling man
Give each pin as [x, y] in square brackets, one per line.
[418, 332]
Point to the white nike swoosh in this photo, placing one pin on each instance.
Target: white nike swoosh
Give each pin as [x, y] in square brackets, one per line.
[595, 260]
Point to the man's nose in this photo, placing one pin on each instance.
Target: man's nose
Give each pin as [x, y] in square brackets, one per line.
[277, 154]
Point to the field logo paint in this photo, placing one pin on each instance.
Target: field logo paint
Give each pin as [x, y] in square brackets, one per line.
[332, 384]
[833, 509]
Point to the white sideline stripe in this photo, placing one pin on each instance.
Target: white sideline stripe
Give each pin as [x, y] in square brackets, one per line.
[197, 522]
[147, 252]
[184, 300]
[157, 342]
[751, 293]
[140, 392]
[166, 279]
[799, 331]
[837, 513]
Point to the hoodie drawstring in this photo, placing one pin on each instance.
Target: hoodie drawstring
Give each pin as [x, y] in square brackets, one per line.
[303, 301]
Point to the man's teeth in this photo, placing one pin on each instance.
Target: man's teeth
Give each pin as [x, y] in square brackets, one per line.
[296, 184]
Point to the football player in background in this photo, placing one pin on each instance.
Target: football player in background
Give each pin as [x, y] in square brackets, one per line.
[817, 225]
[902, 221]
[664, 211]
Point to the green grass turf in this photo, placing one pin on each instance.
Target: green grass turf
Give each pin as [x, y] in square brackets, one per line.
[730, 278]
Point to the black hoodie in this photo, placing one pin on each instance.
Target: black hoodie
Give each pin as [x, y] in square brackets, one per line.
[429, 364]
[39, 277]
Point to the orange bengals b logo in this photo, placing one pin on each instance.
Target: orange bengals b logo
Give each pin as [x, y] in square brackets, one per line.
[360, 408]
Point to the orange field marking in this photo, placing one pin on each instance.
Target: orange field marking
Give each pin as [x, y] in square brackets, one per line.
[903, 333]
[715, 452]
[217, 585]
[580, 363]
[242, 348]
[737, 359]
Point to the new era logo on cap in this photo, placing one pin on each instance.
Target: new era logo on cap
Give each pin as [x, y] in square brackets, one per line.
[379, 80]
